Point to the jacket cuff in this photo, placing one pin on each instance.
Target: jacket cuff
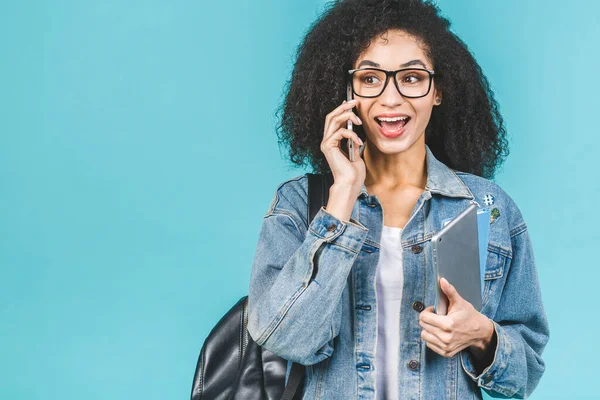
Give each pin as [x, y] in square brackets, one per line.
[492, 373]
[349, 234]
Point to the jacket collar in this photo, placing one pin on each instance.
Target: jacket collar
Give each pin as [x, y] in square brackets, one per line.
[440, 179]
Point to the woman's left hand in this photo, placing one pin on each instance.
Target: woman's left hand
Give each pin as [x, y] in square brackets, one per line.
[463, 327]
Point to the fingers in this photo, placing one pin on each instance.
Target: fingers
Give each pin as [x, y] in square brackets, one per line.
[428, 310]
[345, 106]
[450, 291]
[443, 345]
[338, 117]
[429, 317]
[335, 129]
[443, 351]
[357, 151]
[432, 339]
[340, 121]
[436, 335]
[333, 141]
[431, 329]
[442, 322]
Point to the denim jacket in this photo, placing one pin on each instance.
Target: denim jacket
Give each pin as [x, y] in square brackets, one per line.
[312, 297]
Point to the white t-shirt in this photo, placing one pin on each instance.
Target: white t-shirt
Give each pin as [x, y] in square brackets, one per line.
[389, 281]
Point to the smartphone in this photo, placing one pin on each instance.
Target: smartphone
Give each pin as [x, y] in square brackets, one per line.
[349, 96]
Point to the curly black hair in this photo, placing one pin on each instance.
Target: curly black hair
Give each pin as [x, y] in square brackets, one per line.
[466, 132]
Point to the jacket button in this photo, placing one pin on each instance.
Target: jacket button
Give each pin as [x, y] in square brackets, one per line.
[413, 364]
[416, 249]
[331, 227]
[487, 379]
[418, 306]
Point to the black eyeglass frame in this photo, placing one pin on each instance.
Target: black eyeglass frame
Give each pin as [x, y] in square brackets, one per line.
[389, 74]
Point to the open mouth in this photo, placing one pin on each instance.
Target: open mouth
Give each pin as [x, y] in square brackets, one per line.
[392, 124]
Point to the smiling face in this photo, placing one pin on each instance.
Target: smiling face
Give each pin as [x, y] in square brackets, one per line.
[400, 51]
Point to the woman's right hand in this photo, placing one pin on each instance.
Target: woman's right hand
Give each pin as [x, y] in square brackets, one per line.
[345, 172]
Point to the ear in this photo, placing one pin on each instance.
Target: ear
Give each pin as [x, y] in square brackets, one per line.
[437, 95]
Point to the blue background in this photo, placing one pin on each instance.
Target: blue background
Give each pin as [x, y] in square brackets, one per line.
[138, 155]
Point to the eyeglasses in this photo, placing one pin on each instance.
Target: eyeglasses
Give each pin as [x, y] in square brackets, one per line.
[410, 82]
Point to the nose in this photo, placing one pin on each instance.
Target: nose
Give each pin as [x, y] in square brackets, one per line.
[391, 96]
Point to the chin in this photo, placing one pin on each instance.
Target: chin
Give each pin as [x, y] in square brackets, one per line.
[396, 145]
[396, 148]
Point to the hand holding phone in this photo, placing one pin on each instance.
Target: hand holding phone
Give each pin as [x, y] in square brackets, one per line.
[343, 169]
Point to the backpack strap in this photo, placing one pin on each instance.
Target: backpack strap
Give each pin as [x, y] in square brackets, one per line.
[318, 194]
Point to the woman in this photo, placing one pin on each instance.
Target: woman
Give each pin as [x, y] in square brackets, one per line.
[350, 293]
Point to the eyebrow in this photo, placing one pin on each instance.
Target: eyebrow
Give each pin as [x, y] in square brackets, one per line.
[408, 64]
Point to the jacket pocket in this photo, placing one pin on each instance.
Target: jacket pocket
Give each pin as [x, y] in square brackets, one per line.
[497, 258]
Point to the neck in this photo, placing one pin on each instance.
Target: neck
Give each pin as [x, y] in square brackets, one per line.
[390, 171]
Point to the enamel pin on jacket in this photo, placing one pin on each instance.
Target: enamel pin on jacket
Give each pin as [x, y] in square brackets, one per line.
[312, 296]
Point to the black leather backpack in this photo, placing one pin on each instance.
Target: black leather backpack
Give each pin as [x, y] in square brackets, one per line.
[231, 366]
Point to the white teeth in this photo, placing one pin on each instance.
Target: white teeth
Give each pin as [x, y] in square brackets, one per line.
[392, 119]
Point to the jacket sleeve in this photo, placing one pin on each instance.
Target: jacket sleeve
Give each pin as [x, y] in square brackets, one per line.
[298, 275]
[521, 328]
